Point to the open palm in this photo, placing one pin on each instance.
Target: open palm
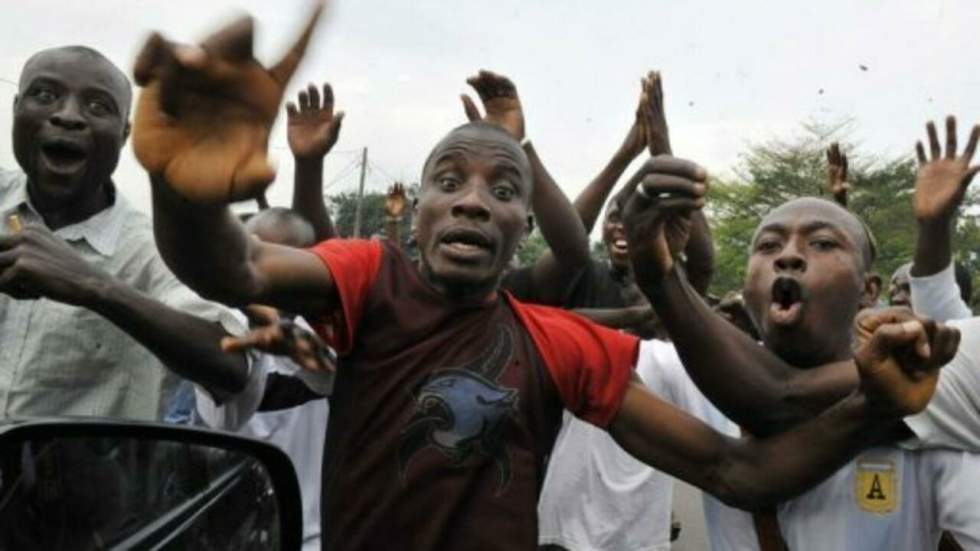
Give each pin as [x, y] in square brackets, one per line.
[204, 115]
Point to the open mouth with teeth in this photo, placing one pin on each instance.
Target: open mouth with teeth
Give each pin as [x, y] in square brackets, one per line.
[466, 245]
[63, 157]
[787, 303]
[619, 247]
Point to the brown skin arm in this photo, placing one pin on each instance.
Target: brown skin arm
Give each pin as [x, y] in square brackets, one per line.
[568, 241]
[201, 130]
[940, 187]
[618, 318]
[748, 473]
[395, 203]
[232, 268]
[312, 130]
[753, 473]
[837, 174]
[36, 263]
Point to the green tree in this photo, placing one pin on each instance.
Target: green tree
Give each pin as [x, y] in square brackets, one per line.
[780, 170]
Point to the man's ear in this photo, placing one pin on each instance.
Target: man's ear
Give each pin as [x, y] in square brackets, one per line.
[872, 290]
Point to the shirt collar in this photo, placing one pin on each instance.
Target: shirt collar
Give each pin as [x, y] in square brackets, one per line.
[101, 230]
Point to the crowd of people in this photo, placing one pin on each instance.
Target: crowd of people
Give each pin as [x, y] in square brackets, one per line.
[434, 395]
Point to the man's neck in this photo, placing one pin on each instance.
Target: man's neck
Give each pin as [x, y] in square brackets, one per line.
[460, 293]
[57, 215]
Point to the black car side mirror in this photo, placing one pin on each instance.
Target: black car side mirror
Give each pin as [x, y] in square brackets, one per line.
[86, 483]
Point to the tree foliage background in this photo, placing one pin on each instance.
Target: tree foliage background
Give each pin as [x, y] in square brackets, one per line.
[777, 171]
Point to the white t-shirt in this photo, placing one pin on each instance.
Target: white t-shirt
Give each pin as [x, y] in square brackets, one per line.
[889, 498]
[598, 497]
[953, 417]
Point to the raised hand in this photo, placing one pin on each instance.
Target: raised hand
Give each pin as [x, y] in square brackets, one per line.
[203, 117]
[636, 139]
[658, 137]
[899, 357]
[657, 215]
[395, 201]
[837, 174]
[941, 182]
[282, 337]
[500, 101]
[312, 128]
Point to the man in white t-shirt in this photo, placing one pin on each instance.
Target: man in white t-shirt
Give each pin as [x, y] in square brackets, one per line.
[806, 279]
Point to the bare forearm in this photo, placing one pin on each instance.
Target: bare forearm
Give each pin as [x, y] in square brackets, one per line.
[556, 217]
[763, 472]
[590, 201]
[308, 198]
[770, 394]
[745, 472]
[188, 345]
[700, 252]
[206, 247]
[933, 248]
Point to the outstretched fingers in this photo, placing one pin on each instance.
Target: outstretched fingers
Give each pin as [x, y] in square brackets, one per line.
[950, 137]
[472, 113]
[934, 149]
[284, 70]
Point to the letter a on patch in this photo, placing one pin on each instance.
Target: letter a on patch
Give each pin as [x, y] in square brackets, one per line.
[876, 486]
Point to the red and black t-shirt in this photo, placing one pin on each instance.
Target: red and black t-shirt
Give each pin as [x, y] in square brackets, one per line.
[443, 414]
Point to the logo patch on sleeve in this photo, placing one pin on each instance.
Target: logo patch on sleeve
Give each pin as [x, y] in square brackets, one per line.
[876, 486]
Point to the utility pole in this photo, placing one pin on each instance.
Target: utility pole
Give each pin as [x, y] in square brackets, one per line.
[360, 195]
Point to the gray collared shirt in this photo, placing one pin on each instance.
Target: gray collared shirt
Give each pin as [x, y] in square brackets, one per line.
[57, 359]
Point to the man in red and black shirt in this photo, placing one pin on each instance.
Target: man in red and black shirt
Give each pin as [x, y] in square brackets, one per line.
[449, 392]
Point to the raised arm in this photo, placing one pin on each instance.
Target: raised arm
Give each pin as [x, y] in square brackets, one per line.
[568, 241]
[395, 203]
[771, 394]
[754, 473]
[312, 130]
[837, 174]
[36, 263]
[649, 130]
[940, 186]
[201, 131]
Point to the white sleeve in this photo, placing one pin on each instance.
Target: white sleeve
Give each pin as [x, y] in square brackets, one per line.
[952, 418]
[938, 296]
[238, 408]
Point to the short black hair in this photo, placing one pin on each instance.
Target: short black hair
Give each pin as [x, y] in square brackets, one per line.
[280, 219]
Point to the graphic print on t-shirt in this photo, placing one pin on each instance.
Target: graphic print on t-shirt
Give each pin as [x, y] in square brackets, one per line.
[876, 486]
[462, 411]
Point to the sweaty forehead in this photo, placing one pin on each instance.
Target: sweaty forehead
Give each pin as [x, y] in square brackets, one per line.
[80, 68]
[812, 211]
[484, 142]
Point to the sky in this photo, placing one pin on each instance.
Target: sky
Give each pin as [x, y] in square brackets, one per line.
[735, 73]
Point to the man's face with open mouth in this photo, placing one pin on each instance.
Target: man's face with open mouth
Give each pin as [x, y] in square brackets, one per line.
[473, 209]
[614, 237]
[69, 124]
[805, 280]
